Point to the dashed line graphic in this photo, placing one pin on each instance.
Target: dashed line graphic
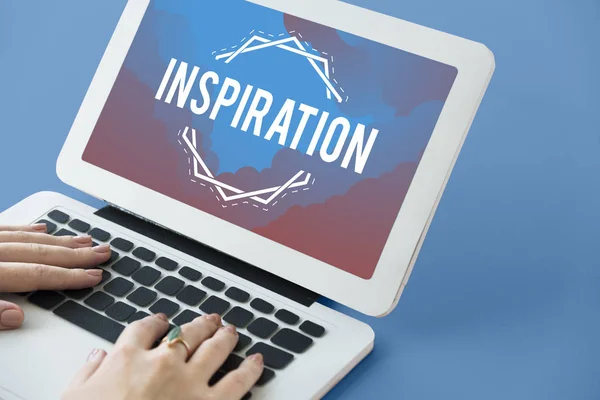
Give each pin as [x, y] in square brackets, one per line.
[198, 164]
[326, 73]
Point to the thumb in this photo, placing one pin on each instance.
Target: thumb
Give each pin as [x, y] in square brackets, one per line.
[11, 316]
[94, 360]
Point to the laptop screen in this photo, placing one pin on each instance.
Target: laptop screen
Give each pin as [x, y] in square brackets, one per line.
[300, 133]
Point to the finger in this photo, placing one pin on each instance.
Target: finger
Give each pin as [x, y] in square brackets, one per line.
[73, 242]
[194, 333]
[214, 351]
[19, 277]
[54, 255]
[91, 365]
[26, 228]
[144, 332]
[238, 382]
[11, 316]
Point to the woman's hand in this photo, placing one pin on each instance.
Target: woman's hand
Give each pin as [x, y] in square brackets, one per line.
[32, 260]
[136, 371]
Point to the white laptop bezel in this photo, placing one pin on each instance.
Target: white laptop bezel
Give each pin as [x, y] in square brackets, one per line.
[377, 296]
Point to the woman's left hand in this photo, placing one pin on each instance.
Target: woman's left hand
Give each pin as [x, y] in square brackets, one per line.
[32, 260]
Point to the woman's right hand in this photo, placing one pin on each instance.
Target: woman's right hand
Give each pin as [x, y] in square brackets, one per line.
[134, 370]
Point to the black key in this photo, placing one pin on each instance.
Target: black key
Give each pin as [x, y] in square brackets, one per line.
[262, 327]
[89, 320]
[191, 274]
[113, 256]
[99, 234]
[78, 294]
[237, 294]
[185, 317]
[169, 286]
[105, 276]
[142, 296]
[118, 287]
[46, 299]
[213, 284]
[137, 316]
[216, 378]
[99, 301]
[238, 317]
[120, 311]
[262, 306]
[65, 232]
[292, 340]
[273, 357]
[126, 266]
[146, 276]
[50, 227]
[122, 244]
[287, 317]
[312, 329]
[166, 263]
[165, 306]
[144, 254]
[232, 362]
[79, 225]
[191, 295]
[243, 341]
[58, 216]
[265, 377]
[214, 305]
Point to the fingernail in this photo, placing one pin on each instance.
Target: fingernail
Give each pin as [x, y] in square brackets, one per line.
[11, 318]
[94, 272]
[93, 354]
[103, 248]
[39, 227]
[216, 318]
[256, 358]
[162, 316]
[82, 239]
[96, 354]
[230, 329]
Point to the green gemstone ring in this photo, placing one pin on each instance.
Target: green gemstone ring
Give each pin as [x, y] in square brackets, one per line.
[173, 337]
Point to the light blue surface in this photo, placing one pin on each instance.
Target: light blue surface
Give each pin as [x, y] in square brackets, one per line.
[504, 302]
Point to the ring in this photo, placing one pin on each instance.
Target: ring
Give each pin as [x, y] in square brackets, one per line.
[173, 337]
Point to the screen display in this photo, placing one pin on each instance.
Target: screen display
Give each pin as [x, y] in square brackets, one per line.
[300, 133]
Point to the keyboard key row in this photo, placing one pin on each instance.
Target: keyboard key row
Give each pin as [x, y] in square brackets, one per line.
[170, 286]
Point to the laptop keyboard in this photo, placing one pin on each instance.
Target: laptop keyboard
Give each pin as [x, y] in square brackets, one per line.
[134, 286]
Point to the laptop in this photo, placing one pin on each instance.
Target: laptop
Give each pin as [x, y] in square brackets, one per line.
[253, 156]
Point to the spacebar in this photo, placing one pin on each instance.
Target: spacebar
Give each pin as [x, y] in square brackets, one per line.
[90, 321]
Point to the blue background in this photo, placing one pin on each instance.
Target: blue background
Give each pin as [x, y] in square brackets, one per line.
[504, 302]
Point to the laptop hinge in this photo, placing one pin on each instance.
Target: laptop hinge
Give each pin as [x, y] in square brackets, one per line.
[208, 254]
